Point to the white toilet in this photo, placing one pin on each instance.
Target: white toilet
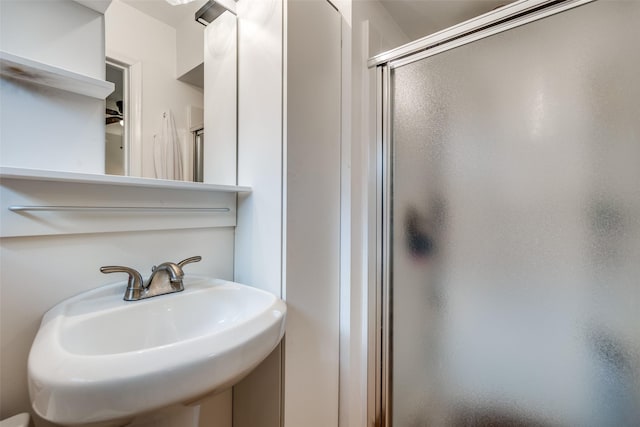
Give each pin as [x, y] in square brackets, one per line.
[20, 420]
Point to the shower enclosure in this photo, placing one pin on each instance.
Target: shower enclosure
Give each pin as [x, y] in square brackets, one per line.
[510, 220]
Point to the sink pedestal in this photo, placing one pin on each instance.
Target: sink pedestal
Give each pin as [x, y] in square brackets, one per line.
[173, 416]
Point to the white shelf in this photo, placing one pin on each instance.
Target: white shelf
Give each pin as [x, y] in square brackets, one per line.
[40, 202]
[25, 69]
[129, 181]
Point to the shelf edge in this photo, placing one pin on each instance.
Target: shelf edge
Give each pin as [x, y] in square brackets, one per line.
[24, 69]
[7, 172]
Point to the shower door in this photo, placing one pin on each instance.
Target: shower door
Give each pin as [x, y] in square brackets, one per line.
[513, 223]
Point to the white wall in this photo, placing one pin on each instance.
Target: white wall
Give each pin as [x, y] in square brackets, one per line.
[133, 35]
[372, 31]
[189, 45]
[258, 257]
[313, 217]
[258, 260]
[38, 272]
[75, 43]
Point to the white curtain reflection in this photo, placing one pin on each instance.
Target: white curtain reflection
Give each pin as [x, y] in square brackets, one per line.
[167, 151]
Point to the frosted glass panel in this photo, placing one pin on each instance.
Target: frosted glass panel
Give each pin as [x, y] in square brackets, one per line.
[516, 227]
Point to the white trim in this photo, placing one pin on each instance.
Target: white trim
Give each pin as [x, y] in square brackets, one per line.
[133, 111]
[283, 177]
[58, 203]
[88, 178]
[135, 120]
[284, 78]
[347, 307]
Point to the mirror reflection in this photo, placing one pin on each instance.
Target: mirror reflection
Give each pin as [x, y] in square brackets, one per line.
[115, 138]
[155, 57]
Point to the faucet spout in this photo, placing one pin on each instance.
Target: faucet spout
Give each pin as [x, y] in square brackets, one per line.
[174, 271]
[165, 278]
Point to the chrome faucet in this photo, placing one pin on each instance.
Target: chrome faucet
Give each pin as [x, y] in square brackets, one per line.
[165, 278]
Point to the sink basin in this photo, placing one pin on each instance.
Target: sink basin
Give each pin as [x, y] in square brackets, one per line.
[98, 358]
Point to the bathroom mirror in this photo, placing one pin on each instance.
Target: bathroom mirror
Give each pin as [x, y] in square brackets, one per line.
[160, 50]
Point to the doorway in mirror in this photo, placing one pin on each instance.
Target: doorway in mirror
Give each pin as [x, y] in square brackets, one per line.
[116, 120]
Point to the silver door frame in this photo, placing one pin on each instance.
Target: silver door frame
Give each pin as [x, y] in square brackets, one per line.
[514, 15]
[198, 155]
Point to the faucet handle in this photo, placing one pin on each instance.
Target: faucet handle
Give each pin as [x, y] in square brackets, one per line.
[190, 260]
[135, 285]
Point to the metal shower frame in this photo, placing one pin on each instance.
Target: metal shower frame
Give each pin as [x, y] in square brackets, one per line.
[507, 17]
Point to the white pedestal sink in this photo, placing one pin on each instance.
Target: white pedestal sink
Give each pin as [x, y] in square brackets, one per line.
[97, 358]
